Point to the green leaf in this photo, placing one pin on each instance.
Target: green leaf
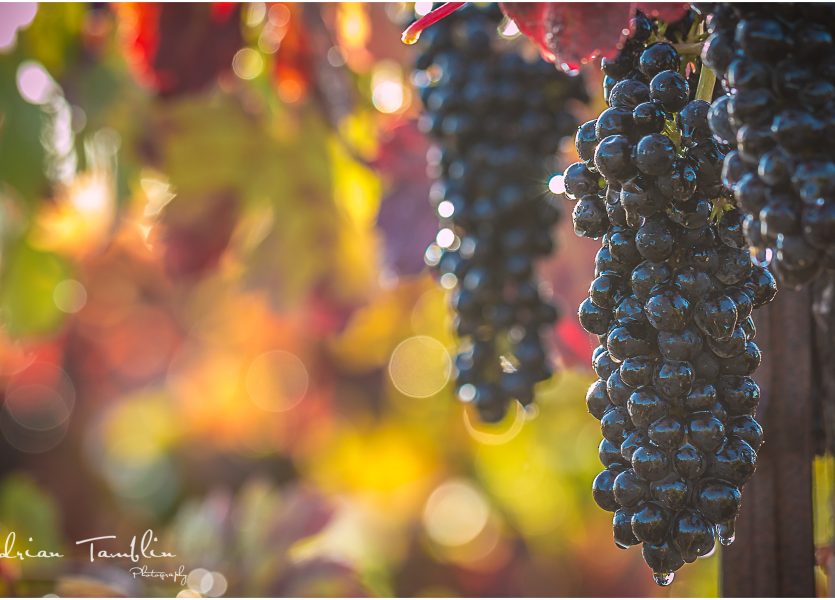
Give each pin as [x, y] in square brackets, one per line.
[26, 298]
[29, 512]
[53, 37]
[21, 152]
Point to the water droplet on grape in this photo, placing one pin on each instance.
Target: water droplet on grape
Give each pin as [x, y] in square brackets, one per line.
[726, 534]
[663, 578]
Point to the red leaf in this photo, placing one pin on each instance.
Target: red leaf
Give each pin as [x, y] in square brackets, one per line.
[406, 220]
[179, 48]
[571, 35]
[292, 71]
[574, 344]
[412, 32]
[193, 241]
[669, 12]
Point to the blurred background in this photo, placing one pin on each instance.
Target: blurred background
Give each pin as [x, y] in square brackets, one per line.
[216, 323]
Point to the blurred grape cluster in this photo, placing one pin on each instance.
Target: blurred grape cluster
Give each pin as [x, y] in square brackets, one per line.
[215, 323]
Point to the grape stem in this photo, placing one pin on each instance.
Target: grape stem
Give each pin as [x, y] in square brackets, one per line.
[412, 32]
[707, 81]
[689, 48]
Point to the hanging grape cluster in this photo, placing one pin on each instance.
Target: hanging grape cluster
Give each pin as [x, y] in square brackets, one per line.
[777, 63]
[671, 304]
[497, 120]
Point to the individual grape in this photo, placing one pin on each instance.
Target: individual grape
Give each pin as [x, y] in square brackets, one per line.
[597, 399]
[670, 90]
[609, 454]
[613, 159]
[654, 154]
[664, 560]
[734, 461]
[705, 431]
[602, 490]
[615, 424]
[650, 463]
[617, 390]
[657, 58]
[673, 380]
[627, 94]
[693, 535]
[702, 397]
[672, 492]
[719, 501]
[622, 527]
[716, 316]
[497, 119]
[648, 117]
[667, 310]
[650, 523]
[636, 371]
[690, 462]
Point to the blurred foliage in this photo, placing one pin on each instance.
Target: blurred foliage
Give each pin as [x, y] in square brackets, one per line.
[216, 324]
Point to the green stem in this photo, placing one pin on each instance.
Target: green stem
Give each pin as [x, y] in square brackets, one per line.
[707, 81]
[695, 29]
[689, 48]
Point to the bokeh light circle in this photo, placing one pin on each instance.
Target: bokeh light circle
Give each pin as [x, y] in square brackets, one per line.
[34, 83]
[446, 209]
[70, 296]
[423, 8]
[219, 585]
[39, 401]
[199, 580]
[14, 16]
[37, 407]
[501, 433]
[30, 441]
[247, 63]
[455, 513]
[277, 381]
[420, 366]
[204, 583]
[445, 237]
[557, 184]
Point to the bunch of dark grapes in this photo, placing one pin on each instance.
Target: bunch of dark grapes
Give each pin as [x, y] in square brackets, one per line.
[671, 305]
[777, 63]
[497, 120]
